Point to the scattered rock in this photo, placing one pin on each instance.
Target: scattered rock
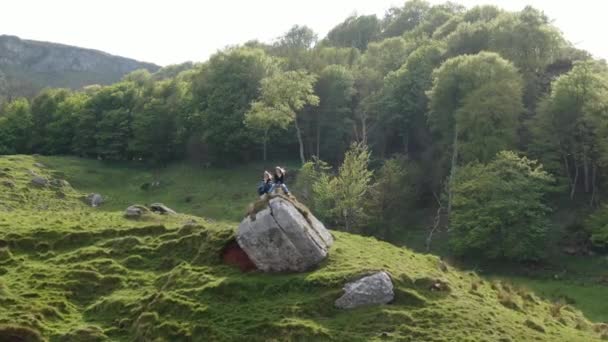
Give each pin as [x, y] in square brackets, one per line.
[94, 200]
[39, 165]
[162, 209]
[8, 184]
[39, 181]
[59, 183]
[371, 290]
[136, 211]
[282, 235]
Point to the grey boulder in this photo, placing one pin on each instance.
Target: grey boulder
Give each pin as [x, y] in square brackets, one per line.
[135, 211]
[162, 209]
[39, 181]
[281, 238]
[371, 290]
[94, 200]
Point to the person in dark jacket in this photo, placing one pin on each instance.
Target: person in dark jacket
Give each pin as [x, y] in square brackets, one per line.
[279, 180]
[266, 184]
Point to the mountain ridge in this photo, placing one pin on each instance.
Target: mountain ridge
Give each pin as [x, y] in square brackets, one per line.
[31, 65]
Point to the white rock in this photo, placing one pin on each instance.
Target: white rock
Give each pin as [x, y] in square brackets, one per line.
[371, 290]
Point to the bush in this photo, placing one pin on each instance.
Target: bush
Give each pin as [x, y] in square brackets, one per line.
[597, 226]
[498, 210]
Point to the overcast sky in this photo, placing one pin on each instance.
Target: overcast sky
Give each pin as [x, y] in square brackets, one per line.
[168, 32]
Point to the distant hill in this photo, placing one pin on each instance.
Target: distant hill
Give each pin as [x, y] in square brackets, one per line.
[27, 66]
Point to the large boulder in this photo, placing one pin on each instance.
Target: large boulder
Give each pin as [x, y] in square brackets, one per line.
[283, 235]
[371, 290]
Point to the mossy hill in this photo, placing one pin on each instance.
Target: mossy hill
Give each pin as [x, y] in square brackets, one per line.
[69, 272]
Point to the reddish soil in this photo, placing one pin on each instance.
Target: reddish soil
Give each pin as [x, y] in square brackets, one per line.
[234, 255]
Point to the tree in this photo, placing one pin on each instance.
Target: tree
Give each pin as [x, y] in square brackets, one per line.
[294, 46]
[16, 127]
[474, 105]
[355, 31]
[499, 210]
[334, 116]
[282, 96]
[222, 92]
[343, 197]
[570, 127]
[399, 20]
[392, 196]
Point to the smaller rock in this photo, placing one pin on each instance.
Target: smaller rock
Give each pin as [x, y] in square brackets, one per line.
[371, 290]
[136, 211]
[39, 181]
[162, 209]
[59, 183]
[94, 200]
[39, 165]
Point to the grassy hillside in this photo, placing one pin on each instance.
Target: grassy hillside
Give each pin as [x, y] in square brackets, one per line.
[73, 273]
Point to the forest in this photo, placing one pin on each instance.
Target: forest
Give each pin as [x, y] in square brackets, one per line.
[486, 119]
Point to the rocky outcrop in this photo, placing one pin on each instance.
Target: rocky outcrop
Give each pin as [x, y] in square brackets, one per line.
[162, 209]
[371, 290]
[283, 236]
[136, 211]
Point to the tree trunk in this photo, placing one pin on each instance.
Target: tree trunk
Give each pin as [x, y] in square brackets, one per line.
[265, 143]
[593, 185]
[586, 170]
[574, 180]
[318, 137]
[452, 170]
[299, 136]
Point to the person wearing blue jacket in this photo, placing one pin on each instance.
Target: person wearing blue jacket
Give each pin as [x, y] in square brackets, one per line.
[266, 184]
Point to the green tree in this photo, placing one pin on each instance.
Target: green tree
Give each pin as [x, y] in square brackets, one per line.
[355, 31]
[475, 103]
[15, 127]
[222, 92]
[399, 20]
[570, 127]
[282, 96]
[392, 197]
[334, 117]
[343, 197]
[499, 210]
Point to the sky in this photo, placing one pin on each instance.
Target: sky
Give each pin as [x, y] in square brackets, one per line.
[169, 32]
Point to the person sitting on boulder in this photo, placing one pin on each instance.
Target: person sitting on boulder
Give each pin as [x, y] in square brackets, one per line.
[266, 184]
[279, 180]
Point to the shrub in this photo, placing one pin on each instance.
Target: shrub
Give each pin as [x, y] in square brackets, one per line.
[498, 210]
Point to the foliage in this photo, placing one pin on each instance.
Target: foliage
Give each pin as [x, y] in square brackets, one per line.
[343, 196]
[570, 128]
[597, 226]
[499, 210]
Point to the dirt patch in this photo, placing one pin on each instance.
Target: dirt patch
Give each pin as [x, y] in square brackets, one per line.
[234, 255]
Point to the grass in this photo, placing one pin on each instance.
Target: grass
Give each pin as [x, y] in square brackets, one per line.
[69, 272]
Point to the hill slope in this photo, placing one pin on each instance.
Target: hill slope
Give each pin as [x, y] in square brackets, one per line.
[73, 273]
[30, 65]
